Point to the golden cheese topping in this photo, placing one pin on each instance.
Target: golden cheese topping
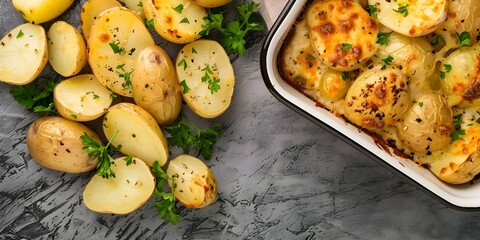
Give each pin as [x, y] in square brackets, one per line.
[410, 17]
[342, 32]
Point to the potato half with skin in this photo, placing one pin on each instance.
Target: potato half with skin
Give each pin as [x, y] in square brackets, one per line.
[377, 98]
[129, 190]
[81, 98]
[460, 73]
[336, 34]
[411, 18]
[178, 21]
[211, 3]
[156, 86]
[195, 63]
[138, 133]
[116, 38]
[427, 124]
[91, 10]
[54, 143]
[195, 184]
[462, 17]
[40, 11]
[67, 52]
[23, 54]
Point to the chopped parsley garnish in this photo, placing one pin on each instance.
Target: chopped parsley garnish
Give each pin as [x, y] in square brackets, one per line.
[457, 123]
[185, 87]
[386, 61]
[182, 63]
[20, 34]
[178, 8]
[346, 46]
[437, 40]
[464, 39]
[383, 38]
[116, 48]
[448, 68]
[373, 11]
[310, 57]
[96, 151]
[185, 20]
[402, 10]
[95, 96]
[210, 79]
[126, 77]
[149, 23]
[345, 76]
[140, 4]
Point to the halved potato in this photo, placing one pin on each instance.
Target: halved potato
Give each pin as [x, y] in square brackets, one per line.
[195, 185]
[129, 190]
[178, 21]
[116, 38]
[23, 54]
[81, 98]
[40, 11]
[138, 133]
[136, 6]
[54, 143]
[156, 86]
[211, 3]
[67, 52]
[91, 10]
[206, 75]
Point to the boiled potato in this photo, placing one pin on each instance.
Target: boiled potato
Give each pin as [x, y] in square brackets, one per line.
[81, 98]
[54, 143]
[67, 52]
[136, 6]
[334, 85]
[206, 76]
[156, 86]
[377, 98]
[116, 38]
[91, 10]
[138, 133]
[211, 3]
[462, 17]
[333, 34]
[195, 185]
[129, 190]
[40, 11]
[427, 124]
[178, 21]
[459, 77]
[411, 18]
[23, 54]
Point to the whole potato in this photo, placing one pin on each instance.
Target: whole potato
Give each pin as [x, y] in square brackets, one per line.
[155, 85]
[54, 142]
[40, 11]
[195, 185]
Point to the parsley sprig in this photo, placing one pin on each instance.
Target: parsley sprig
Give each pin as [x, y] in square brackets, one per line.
[35, 98]
[233, 32]
[402, 10]
[96, 151]
[126, 77]
[383, 38]
[210, 79]
[165, 200]
[464, 39]
[185, 135]
[386, 61]
[457, 123]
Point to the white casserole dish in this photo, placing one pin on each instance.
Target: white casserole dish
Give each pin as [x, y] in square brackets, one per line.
[465, 197]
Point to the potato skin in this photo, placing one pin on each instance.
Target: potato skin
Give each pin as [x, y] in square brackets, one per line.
[40, 11]
[54, 143]
[155, 85]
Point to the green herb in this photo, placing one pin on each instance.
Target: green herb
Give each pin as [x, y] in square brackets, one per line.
[310, 57]
[184, 135]
[386, 61]
[185, 20]
[128, 160]
[126, 77]
[35, 98]
[345, 76]
[166, 201]
[448, 68]
[464, 39]
[233, 33]
[383, 38]
[96, 151]
[346, 46]
[73, 116]
[212, 82]
[20, 34]
[194, 51]
[373, 11]
[478, 120]
[140, 4]
[95, 96]
[456, 134]
[178, 8]
[117, 49]
[414, 101]
[185, 87]
[182, 63]
[457, 121]
[402, 10]
[420, 104]
[149, 23]
[113, 96]
[437, 40]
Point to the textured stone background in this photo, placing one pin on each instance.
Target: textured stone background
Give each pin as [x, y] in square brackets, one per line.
[279, 177]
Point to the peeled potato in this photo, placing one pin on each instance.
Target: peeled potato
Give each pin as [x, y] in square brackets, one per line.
[91, 10]
[116, 38]
[211, 3]
[40, 11]
[81, 98]
[67, 51]
[129, 190]
[178, 21]
[195, 184]
[136, 6]
[193, 64]
[156, 86]
[54, 143]
[138, 133]
[23, 54]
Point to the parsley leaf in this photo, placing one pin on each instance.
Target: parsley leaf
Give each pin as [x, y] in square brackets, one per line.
[140, 4]
[383, 38]
[149, 23]
[128, 160]
[165, 202]
[437, 40]
[310, 57]
[345, 76]
[206, 139]
[185, 20]
[457, 121]
[126, 77]
[402, 10]
[20, 34]
[182, 63]
[373, 11]
[386, 61]
[116, 48]
[185, 87]
[96, 151]
[35, 98]
[346, 46]
[448, 68]
[94, 96]
[181, 135]
[456, 134]
[178, 8]
[464, 39]
[212, 82]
